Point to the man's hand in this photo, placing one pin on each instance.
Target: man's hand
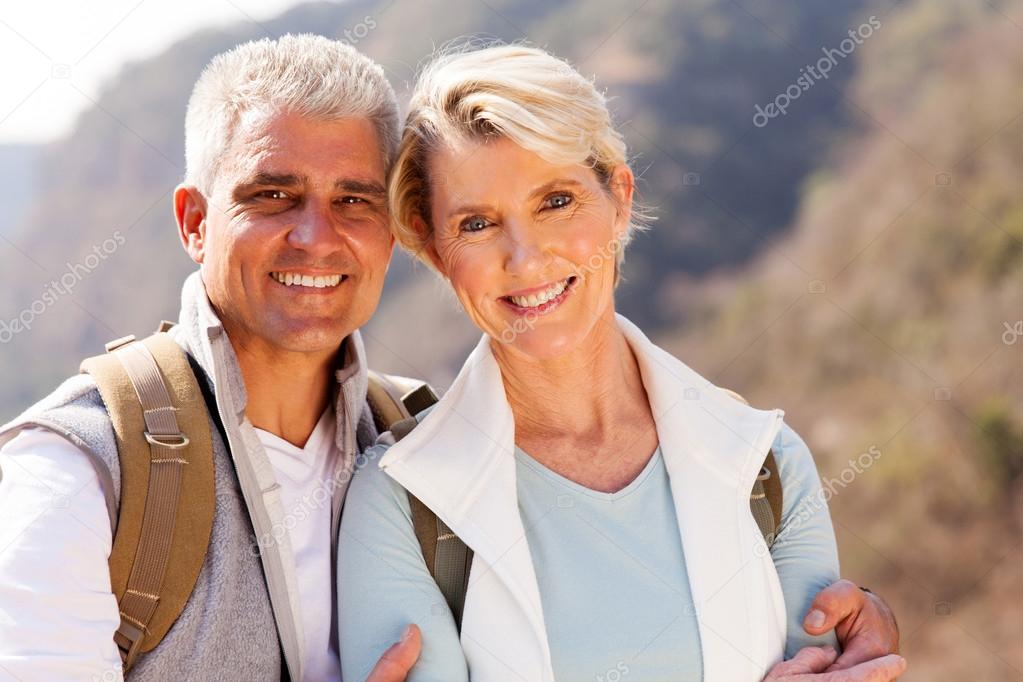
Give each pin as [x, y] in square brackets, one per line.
[865, 626]
[394, 665]
[811, 664]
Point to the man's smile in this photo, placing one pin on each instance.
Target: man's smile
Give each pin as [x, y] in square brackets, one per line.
[308, 283]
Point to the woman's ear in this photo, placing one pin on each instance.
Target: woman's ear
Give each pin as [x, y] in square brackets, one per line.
[429, 249]
[190, 213]
[622, 185]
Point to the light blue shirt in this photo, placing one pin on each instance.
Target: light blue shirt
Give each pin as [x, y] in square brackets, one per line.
[610, 567]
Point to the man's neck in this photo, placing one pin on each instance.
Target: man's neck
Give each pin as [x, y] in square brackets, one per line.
[287, 391]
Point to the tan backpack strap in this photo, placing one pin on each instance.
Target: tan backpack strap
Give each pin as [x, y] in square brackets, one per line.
[772, 489]
[167, 499]
[765, 499]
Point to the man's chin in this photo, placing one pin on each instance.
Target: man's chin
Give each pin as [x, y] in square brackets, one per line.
[308, 337]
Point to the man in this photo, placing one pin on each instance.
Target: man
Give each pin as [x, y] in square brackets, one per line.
[288, 144]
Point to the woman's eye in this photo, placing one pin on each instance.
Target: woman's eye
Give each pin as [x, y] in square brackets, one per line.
[474, 224]
[558, 201]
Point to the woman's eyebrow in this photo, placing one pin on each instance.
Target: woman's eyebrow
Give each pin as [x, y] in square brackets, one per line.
[558, 183]
[469, 208]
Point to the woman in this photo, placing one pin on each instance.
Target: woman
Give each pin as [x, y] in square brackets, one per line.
[602, 484]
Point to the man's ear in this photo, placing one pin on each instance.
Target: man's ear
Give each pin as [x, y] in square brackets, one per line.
[430, 248]
[622, 185]
[190, 212]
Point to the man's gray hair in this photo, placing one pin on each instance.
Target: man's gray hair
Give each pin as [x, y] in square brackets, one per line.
[309, 75]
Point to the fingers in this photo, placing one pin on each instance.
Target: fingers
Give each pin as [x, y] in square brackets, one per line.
[810, 659]
[396, 662]
[882, 669]
[860, 647]
[813, 663]
[832, 605]
[870, 633]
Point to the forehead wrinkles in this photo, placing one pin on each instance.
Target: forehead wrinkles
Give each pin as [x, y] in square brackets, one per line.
[248, 149]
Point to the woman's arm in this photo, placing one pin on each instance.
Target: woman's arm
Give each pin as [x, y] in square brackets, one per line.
[384, 584]
[805, 553]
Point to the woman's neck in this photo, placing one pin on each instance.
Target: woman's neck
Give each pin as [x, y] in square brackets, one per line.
[583, 396]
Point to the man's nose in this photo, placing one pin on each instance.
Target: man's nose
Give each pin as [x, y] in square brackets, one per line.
[317, 230]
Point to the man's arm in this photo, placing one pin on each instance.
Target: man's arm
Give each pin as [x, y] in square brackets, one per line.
[865, 626]
[57, 613]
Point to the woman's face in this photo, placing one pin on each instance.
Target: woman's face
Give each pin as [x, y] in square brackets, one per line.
[529, 247]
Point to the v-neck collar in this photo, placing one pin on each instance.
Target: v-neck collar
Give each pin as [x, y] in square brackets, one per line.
[313, 444]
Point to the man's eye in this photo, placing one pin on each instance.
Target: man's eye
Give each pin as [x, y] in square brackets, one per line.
[558, 201]
[353, 201]
[273, 194]
[474, 224]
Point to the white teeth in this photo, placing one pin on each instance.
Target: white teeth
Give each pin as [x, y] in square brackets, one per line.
[534, 300]
[315, 282]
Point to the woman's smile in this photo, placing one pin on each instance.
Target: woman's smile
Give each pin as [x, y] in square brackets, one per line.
[540, 300]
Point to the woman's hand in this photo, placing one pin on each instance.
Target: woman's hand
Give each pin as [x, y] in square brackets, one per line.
[810, 663]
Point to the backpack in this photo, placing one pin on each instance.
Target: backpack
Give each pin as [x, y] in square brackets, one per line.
[449, 559]
[160, 405]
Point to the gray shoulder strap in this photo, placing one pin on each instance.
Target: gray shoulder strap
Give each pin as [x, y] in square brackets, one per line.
[447, 557]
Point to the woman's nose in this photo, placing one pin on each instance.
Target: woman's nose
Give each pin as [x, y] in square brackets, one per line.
[527, 250]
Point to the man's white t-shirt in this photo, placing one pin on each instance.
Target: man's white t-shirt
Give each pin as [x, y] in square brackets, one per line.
[303, 474]
[57, 614]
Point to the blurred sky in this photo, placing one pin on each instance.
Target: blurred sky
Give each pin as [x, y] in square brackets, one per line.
[56, 54]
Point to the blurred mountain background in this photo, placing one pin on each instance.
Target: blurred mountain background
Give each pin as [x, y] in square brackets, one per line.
[857, 261]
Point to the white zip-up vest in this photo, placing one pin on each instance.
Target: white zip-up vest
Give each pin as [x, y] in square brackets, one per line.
[460, 462]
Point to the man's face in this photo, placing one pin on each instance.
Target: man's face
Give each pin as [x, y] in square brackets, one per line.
[296, 242]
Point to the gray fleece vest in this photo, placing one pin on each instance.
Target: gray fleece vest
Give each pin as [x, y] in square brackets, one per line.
[227, 630]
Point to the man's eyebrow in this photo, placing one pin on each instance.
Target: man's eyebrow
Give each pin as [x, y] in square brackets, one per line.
[270, 178]
[370, 187]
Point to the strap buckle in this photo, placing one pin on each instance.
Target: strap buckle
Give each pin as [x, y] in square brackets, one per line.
[117, 343]
[128, 638]
[171, 441]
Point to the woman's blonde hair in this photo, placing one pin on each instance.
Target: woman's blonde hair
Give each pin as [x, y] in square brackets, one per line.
[521, 93]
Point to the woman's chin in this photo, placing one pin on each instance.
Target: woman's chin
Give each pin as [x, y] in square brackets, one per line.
[544, 342]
